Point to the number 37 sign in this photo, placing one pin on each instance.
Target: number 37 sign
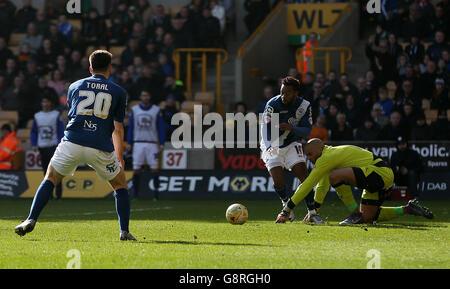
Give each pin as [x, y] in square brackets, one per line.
[174, 160]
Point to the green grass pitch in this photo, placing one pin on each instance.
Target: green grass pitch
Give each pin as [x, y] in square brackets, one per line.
[195, 234]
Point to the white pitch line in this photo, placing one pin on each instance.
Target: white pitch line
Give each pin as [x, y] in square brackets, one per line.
[91, 213]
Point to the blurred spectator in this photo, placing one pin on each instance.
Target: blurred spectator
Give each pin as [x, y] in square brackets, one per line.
[42, 23]
[57, 38]
[24, 55]
[415, 50]
[381, 62]
[33, 39]
[421, 130]
[93, 30]
[5, 53]
[319, 129]
[159, 19]
[10, 97]
[368, 131]
[268, 94]
[65, 27]
[257, 10]
[407, 166]
[435, 50]
[333, 111]
[351, 111]
[11, 70]
[394, 48]
[24, 16]
[363, 97]
[385, 101]
[145, 10]
[174, 87]
[414, 25]
[208, 30]
[408, 115]
[130, 52]
[218, 11]
[394, 128]
[44, 90]
[57, 82]
[441, 127]
[406, 93]
[427, 80]
[118, 32]
[9, 145]
[46, 56]
[169, 110]
[7, 11]
[342, 132]
[320, 106]
[440, 98]
[377, 115]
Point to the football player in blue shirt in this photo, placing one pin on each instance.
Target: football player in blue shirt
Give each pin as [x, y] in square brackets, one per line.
[94, 135]
[295, 123]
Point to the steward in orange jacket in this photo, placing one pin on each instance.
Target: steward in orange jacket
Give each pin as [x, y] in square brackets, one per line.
[9, 145]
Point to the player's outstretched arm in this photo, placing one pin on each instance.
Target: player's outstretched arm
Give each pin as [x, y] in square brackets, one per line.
[117, 137]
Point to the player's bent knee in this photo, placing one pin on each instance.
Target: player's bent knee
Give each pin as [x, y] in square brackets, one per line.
[119, 181]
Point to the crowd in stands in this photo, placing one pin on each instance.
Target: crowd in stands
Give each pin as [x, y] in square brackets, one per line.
[53, 49]
[405, 89]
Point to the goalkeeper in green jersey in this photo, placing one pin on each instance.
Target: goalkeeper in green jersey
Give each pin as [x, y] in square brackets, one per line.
[346, 166]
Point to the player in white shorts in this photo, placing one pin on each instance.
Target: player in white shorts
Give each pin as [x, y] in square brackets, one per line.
[94, 135]
[295, 123]
[146, 137]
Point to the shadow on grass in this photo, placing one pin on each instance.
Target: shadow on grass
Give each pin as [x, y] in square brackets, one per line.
[203, 243]
[144, 241]
[409, 226]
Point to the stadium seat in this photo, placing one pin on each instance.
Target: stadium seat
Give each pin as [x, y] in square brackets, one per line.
[392, 87]
[9, 115]
[117, 50]
[188, 106]
[174, 10]
[426, 45]
[431, 115]
[133, 103]
[23, 134]
[30, 124]
[204, 97]
[76, 24]
[188, 95]
[92, 48]
[15, 38]
[14, 49]
[425, 104]
[404, 45]
[18, 160]
[3, 122]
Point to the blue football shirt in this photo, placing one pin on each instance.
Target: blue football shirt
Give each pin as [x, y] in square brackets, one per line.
[94, 104]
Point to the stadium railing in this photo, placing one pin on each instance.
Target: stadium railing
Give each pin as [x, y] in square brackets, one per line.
[345, 55]
[191, 55]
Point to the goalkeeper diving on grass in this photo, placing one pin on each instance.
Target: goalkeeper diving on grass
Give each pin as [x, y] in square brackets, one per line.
[349, 166]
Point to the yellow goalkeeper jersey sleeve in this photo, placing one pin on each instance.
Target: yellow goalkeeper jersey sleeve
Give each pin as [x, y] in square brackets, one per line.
[332, 158]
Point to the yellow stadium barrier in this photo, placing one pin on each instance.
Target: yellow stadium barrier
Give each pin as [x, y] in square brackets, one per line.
[345, 55]
[221, 58]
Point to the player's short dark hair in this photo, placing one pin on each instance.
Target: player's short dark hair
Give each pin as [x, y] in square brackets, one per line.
[291, 81]
[100, 60]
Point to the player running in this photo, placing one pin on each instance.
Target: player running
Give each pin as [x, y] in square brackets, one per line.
[345, 166]
[147, 128]
[96, 113]
[294, 114]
